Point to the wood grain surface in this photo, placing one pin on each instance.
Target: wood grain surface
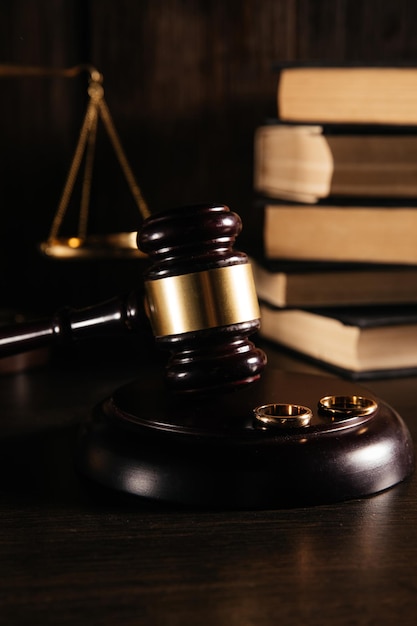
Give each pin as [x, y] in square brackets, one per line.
[70, 553]
[186, 84]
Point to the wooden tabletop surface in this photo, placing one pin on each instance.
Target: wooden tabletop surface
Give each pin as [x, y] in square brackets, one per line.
[71, 555]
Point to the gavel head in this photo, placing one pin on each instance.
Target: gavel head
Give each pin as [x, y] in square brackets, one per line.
[200, 298]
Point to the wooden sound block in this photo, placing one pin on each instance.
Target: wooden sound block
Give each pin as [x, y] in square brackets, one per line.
[214, 452]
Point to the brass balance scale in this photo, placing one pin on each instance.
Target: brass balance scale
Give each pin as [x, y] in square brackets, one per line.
[82, 244]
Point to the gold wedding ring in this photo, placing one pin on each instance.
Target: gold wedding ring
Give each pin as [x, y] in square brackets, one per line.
[346, 407]
[283, 415]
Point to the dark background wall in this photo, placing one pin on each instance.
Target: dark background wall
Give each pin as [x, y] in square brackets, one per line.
[186, 81]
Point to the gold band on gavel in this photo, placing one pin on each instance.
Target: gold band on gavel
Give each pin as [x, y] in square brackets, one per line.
[202, 300]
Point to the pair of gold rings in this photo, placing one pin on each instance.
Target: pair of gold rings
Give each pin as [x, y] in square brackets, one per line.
[337, 408]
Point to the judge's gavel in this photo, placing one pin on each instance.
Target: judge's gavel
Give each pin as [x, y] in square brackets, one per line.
[290, 439]
[199, 297]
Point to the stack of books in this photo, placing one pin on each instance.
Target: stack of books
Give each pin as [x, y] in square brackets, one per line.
[335, 175]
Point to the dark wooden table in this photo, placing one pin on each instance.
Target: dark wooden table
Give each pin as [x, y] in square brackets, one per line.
[69, 555]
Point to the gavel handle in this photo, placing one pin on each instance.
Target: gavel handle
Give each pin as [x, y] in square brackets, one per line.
[121, 313]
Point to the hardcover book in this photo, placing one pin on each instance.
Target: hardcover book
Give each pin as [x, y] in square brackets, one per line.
[306, 162]
[371, 231]
[298, 284]
[359, 342]
[348, 94]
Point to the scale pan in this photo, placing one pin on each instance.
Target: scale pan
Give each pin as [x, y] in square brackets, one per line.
[103, 246]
